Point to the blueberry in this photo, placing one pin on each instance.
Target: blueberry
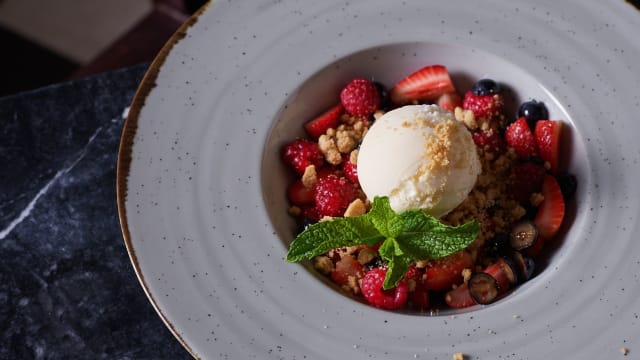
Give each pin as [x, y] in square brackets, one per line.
[533, 111]
[485, 87]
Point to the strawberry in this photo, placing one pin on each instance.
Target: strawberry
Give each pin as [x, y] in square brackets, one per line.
[525, 179]
[385, 299]
[550, 213]
[333, 195]
[300, 194]
[483, 106]
[547, 135]
[503, 273]
[345, 267]
[520, 138]
[301, 153]
[459, 297]
[427, 84]
[489, 141]
[350, 170]
[449, 101]
[327, 120]
[420, 296]
[443, 273]
[360, 97]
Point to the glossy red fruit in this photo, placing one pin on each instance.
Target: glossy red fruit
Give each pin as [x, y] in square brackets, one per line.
[459, 297]
[350, 171]
[309, 212]
[547, 134]
[426, 84]
[327, 120]
[525, 179]
[346, 267]
[301, 195]
[301, 153]
[443, 273]
[420, 296]
[519, 136]
[360, 97]
[551, 211]
[449, 101]
[483, 106]
[372, 290]
[489, 140]
[333, 195]
[503, 273]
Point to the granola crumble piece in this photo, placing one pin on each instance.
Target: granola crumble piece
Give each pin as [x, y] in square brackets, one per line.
[366, 255]
[310, 176]
[356, 208]
[353, 157]
[466, 117]
[295, 211]
[323, 264]
[536, 199]
[328, 147]
[459, 356]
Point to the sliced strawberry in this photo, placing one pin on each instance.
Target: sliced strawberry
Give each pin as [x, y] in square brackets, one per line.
[426, 84]
[345, 267]
[449, 101]
[420, 296]
[327, 120]
[443, 273]
[300, 194]
[547, 135]
[525, 179]
[459, 297]
[519, 136]
[551, 211]
[503, 273]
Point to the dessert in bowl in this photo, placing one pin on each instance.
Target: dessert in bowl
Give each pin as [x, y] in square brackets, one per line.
[479, 158]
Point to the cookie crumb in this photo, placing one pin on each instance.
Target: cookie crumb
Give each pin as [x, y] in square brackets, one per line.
[310, 176]
[356, 208]
[459, 356]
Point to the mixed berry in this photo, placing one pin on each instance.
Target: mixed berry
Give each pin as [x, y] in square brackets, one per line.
[518, 200]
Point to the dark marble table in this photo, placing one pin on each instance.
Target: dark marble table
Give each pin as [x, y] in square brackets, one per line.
[67, 288]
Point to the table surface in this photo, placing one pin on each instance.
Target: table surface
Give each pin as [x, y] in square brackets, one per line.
[67, 287]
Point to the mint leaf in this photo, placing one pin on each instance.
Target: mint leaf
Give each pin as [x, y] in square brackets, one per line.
[321, 237]
[425, 237]
[409, 236]
[398, 261]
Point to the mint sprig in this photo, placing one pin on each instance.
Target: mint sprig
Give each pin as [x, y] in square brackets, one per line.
[406, 237]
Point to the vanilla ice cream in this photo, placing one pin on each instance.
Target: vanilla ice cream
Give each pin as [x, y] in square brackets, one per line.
[421, 157]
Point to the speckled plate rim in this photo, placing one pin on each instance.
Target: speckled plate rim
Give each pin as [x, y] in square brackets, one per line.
[124, 157]
[606, 153]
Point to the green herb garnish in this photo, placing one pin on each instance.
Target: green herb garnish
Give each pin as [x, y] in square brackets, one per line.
[408, 236]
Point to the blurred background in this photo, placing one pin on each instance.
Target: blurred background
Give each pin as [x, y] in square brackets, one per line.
[49, 41]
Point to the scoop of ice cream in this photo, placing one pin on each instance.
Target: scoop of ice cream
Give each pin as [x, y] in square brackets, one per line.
[421, 157]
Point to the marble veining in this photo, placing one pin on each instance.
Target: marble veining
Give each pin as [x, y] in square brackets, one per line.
[67, 288]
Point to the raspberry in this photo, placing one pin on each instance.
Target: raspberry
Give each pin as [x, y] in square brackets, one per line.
[350, 171]
[489, 141]
[333, 195]
[525, 179]
[483, 106]
[360, 97]
[302, 153]
[385, 299]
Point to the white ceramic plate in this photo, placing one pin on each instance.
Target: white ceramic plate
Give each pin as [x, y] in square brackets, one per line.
[201, 188]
